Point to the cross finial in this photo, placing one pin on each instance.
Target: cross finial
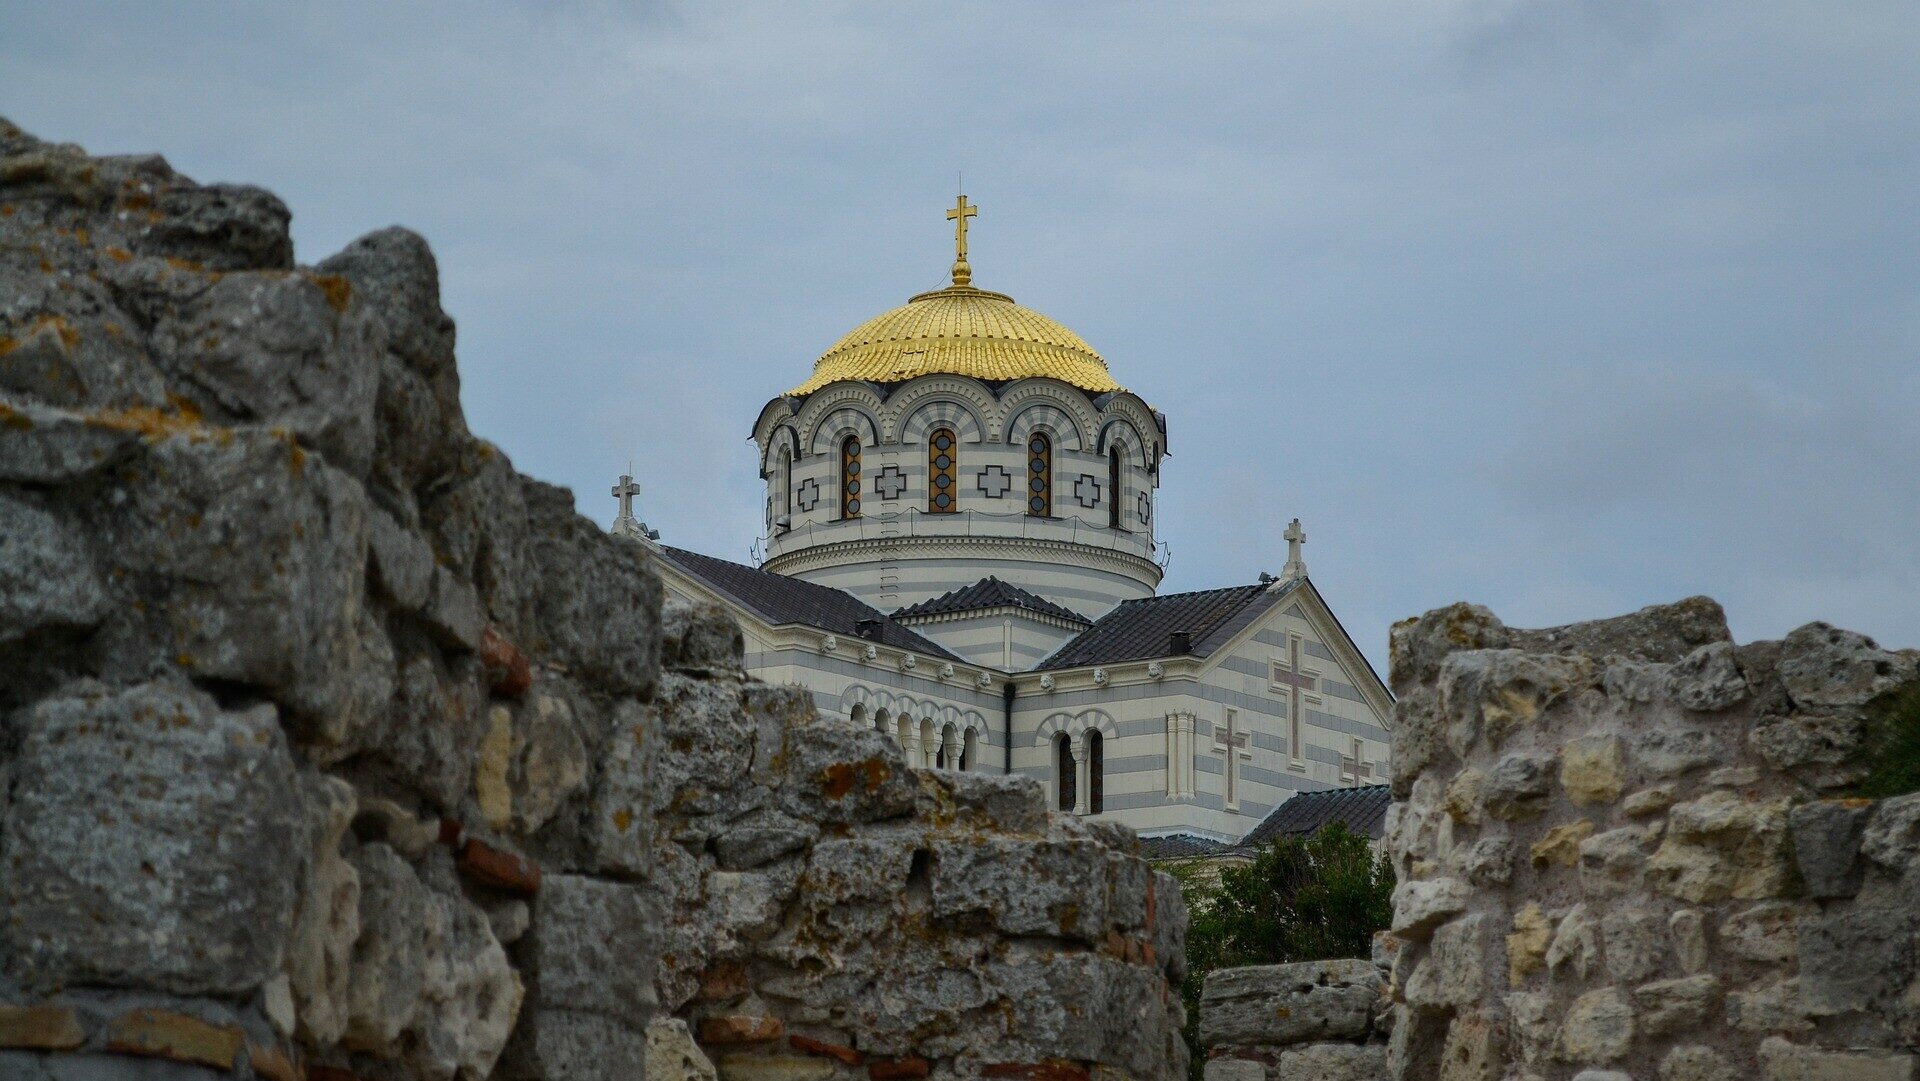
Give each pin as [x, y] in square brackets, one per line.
[627, 525]
[958, 215]
[1296, 537]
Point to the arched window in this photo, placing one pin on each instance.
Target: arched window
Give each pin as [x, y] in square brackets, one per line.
[850, 477]
[1094, 784]
[783, 503]
[943, 465]
[858, 714]
[1115, 489]
[969, 750]
[1063, 778]
[1040, 475]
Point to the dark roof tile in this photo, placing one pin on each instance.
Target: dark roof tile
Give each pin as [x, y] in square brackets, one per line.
[1143, 629]
[1362, 810]
[989, 592]
[1174, 846]
[779, 599]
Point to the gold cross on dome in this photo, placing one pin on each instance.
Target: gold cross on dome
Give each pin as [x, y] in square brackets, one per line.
[958, 216]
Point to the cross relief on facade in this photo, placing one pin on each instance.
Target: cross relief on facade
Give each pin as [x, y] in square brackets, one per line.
[1231, 745]
[1143, 508]
[1086, 490]
[994, 482]
[809, 494]
[890, 482]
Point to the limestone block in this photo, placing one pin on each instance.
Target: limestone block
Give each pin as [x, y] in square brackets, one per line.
[749, 904]
[1858, 956]
[1665, 751]
[1013, 802]
[147, 843]
[1474, 1051]
[1025, 887]
[1781, 1060]
[835, 773]
[554, 1043]
[1421, 905]
[762, 840]
[620, 801]
[1598, 1027]
[1671, 1006]
[1167, 924]
[1721, 846]
[552, 764]
[1824, 666]
[52, 446]
[47, 577]
[673, 1056]
[402, 563]
[598, 606]
[1697, 1062]
[1593, 769]
[1708, 680]
[222, 227]
[1891, 837]
[492, 789]
[1659, 632]
[1233, 1069]
[1821, 747]
[1560, 847]
[327, 918]
[1576, 943]
[1464, 795]
[1416, 647]
[1689, 930]
[1826, 845]
[1613, 863]
[1288, 1004]
[1527, 945]
[1535, 1024]
[699, 637]
[1332, 1062]
[1635, 943]
[578, 923]
[1419, 741]
[434, 725]
[1650, 801]
[1773, 1007]
[400, 926]
[707, 745]
[1454, 972]
[1489, 694]
[1518, 786]
[1487, 862]
[1765, 933]
[841, 871]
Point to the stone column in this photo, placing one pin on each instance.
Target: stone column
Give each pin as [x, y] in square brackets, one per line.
[1083, 778]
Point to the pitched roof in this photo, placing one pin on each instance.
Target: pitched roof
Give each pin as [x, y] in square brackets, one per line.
[1142, 629]
[1175, 846]
[988, 592]
[1362, 810]
[779, 599]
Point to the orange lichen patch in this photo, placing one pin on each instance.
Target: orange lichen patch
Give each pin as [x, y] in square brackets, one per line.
[296, 455]
[58, 324]
[622, 820]
[178, 263]
[338, 290]
[118, 254]
[139, 200]
[838, 779]
[156, 425]
[13, 418]
[7, 345]
[7, 210]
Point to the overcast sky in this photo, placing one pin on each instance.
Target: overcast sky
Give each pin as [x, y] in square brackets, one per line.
[1564, 307]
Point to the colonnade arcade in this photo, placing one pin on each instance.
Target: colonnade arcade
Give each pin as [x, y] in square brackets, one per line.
[933, 736]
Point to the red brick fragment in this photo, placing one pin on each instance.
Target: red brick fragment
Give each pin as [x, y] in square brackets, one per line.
[740, 1029]
[910, 1068]
[821, 1047]
[507, 669]
[175, 1036]
[1117, 944]
[490, 866]
[272, 1064]
[1055, 1070]
[450, 832]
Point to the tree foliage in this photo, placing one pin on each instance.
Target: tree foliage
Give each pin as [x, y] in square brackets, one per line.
[1307, 898]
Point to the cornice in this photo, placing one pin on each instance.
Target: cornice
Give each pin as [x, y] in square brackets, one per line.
[843, 553]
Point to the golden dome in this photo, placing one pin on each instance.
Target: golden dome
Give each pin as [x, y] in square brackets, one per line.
[961, 330]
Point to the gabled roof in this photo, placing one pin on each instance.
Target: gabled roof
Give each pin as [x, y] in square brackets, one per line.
[1142, 629]
[989, 592]
[1176, 846]
[779, 600]
[1362, 810]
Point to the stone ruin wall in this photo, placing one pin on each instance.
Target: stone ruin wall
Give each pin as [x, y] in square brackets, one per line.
[331, 747]
[1625, 851]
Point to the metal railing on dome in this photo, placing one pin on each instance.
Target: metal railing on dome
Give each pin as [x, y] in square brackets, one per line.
[915, 522]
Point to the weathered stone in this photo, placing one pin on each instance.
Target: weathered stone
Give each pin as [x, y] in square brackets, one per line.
[401, 561]
[1487, 862]
[399, 926]
[1858, 956]
[1708, 680]
[1612, 863]
[175, 1036]
[1475, 1049]
[1649, 801]
[1287, 1004]
[560, 1043]
[673, 1056]
[1891, 837]
[1593, 769]
[1421, 905]
[598, 606]
[701, 637]
[327, 919]
[1576, 943]
[1534, 1025]
[1671, 752]
[740, 1029]
[146, 843]
[1671, 1006]
[47, 578]
[836, 774]
[1489, 694]
[40, 1028]
[1012, 802]
[1518, 786]
[1561, 845]
[1689, 930]
[578, 921]
[1416, 647]
[1024, 887]
[620, 800]
[471, 995]
[1330, 1062]
[1697, 1062]
[1635, 943]
[552, 763]
[1824, 666]
[1230, 1068]
[1454, 972]
[1784, 1061]
[1720, 846]
[1659, 633]
[1598, 1027]
[492, 789]
[1822, 747]
[1763, 933]
[1527, 945]
[1774, 1007]
[49, 446]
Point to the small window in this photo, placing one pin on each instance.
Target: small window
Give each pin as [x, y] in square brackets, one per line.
[1065, 783]
[1095, 755]
[850, 477]
[1115, 488]
[943, 467]
[1040, 475]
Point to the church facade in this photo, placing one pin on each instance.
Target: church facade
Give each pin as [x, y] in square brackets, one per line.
[961, 553]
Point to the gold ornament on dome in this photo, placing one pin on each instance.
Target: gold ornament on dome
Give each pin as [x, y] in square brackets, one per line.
[961, 330]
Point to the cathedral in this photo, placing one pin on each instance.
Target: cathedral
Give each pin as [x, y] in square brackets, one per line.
[960, 552]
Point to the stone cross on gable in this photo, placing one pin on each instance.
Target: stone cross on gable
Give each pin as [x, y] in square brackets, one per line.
[627, 525]
[1296, 566]
[1231, 746]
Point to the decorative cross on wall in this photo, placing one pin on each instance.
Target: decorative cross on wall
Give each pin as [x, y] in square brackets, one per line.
[1145, 508]
[994, 482]
[1232, 747]
[890, 482]
[809, 494]
[1086, 490]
